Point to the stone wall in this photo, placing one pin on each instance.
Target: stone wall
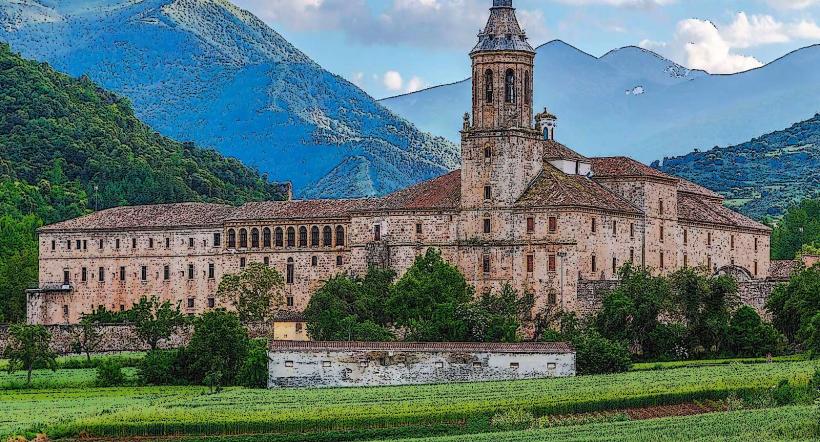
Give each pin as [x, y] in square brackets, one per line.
[116, 338]
[753, 293]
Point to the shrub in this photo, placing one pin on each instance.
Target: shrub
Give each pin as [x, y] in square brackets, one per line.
[596, 354]
[218, 349]
[750, 337]
[667, 342]
[161, 367]
[109, 374]
[254, 372]
[784, 393]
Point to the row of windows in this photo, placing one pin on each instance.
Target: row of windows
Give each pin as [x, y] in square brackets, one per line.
[280, 237]
[510, 89]
[82, 244]
[121, 273]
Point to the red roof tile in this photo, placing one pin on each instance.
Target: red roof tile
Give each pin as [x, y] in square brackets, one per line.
[442, 193]
[469, 347]
[300, 209]
[690, 187]
[554, 150]
[148, 217]
[625, 167]
[554, 188]
[696, 209]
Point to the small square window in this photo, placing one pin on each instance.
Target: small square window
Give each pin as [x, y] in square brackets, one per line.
[418, 228]
[551, 366]
[211, 302]
[477, 365]
[514, 365]
[190, 302]
[314, 261]
[288, 364]
[290, 301]
[530, 225]
[363, 364]
[339, 261]
[326, 364]
[439, 365]
[553, 224]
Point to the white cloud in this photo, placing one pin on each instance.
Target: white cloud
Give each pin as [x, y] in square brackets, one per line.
[645, 4]
[415, 84]
[393, 81]
[700, 44]
[793, 4]
[426, 23]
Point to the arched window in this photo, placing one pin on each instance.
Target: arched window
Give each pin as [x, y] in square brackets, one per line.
[278, 240]
[303, 236]
[509, 86]
[291, 237]
[327, 239]
[243, 239]
[266, 237]
[488, 151]
[340, 236]
[488, 86]
[314, 237]
[231, 238]
[289, 272]
[255, 238]
[527, 88]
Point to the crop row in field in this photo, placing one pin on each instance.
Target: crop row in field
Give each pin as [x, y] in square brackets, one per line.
[777, 424]
[184, 411]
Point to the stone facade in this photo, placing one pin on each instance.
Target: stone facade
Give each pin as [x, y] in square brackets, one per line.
[523, 209]
[356, 364]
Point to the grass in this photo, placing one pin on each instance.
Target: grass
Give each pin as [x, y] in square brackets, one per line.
[293, 414]
[643, 366]
[777, 424]
[126, 359]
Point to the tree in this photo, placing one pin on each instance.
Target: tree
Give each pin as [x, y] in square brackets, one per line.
[18, 262]
[749, 336]
[218, 349]
[799, 226]
[631, 312]
[705, 303]
[29, 348]
[88, 337]
[254, 293]
[497, 316]
[426, 301]
[155, 321]
[596, 354]
[793, 305]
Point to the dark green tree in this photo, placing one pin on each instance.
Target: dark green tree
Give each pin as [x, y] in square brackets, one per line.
[705, 304]
[255, 292]
[218, 349]
[497, 316]
[799, 226]
[749, 336]
[155, 321]
[29, 347]
[794, 305]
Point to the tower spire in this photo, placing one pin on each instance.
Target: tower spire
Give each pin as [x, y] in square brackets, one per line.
[502, 33]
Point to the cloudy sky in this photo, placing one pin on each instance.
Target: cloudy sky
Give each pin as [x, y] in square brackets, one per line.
[389, 47]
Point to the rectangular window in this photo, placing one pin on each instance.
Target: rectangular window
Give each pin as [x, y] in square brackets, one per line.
[709, 263]
[290, 301]
[485, 263]
[65, 310]
[217, 239]
[377, 232]
[614, 265]
[85, 244]
[487, 225]
[514, 365]
[488, 193]
[709, 239]
[191, 243]
[190, 302]
[79, 245]
[150, 243]
[101, 244]
[685, 261]
[530, 225]
[632, 230]
[190, 271]
[662, 233]
[418, 228]
[551, 263]
[289, 364]
[732, 242]
[101, 274]
[66, 277]
[84, 274]
[117, 244]
[685, 236]
[266, 261]
[122, 273]
[660, 207]
[211, 271]
[211, 302]
[594, 264]
[339, 261]
[552, 298]
[167, 243]
[54, 245]
[122, 307]
[553, 224]
[631, 255]
[326, 364]
[663, 264]
[166, 273]
[133, 243]
[530, 263]
[755, 244]
[614, 228]
[242, 263]
[594, 226]
[68, 244]
[314, 261]
[144, 273]
[755, 268]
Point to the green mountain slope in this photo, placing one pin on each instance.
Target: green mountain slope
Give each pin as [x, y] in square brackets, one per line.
[68, 146]
[762, 177]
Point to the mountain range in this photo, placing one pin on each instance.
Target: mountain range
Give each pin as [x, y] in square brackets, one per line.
[761, 177]
[208, 72]
[634, 102]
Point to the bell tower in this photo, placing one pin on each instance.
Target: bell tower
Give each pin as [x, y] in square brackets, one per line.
[502, 72]
[501, 151]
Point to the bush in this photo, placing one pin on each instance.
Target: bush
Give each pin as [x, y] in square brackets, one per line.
[254, 372]
[109, 374]
[784, 393]
[750, 337]
[161, 367]
[667, 342]
[596, 354]
[218, 349]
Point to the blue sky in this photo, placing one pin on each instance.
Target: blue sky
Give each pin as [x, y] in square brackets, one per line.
[390, 47]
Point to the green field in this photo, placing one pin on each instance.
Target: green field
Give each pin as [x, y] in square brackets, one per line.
[314, 414]
[777, 424]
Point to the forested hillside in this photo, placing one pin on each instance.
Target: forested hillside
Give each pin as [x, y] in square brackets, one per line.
[762, 177]
[67, 147]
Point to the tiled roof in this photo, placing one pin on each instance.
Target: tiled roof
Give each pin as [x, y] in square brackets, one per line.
[625, 167]
[442, 193]
[148, 217]
[468, 347]
[783, 270]
[502, 33]
[300, 209]
[695, 209]
[690, 187]
[554, 150]
[553, 188]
